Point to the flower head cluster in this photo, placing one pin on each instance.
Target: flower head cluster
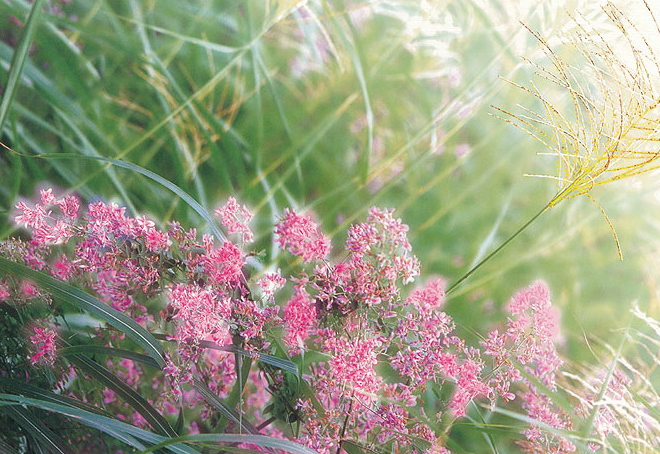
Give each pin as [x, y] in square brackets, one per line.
[235, 218]
[351, 314]
[271, 283]
[300, 235]
[299, 319]
[200, 314]
[45, 228]
[43, 345]
[528, 343]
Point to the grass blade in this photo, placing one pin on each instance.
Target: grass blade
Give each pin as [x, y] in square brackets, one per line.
[108, 351]
[33, 425]
[65, 292]
[6, 449]
[274, 361]
[14, 386]
[128, 394]
[18, 61]
[111, 426]
[259, 440]
[227, 411]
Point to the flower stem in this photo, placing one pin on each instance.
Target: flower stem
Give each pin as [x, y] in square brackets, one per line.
[498, 249]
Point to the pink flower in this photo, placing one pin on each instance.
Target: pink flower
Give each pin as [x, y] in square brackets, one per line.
[193, 429]
[528, 341]
[62, 268]
[250, 319]
[109, 396]
[352, 363]
[270, 283]
[29, 290]
[31, 217]
[300, 235]
[4, 292]
[47, 197]
[156, 240]
[299, 319]
[43, 345]
[138, 420]
[235, 218]
[224, 265]
[361, 237]
[430, 297]
[47, 234]
[436, 448]
[394, 232]
[46, 229]
[106, 221]
[69, 206]
[200, 313]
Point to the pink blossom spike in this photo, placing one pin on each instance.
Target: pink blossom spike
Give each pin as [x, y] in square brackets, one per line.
[4, 292]
[301, 236]
[47, 197]
[43, 345]
[31, 217]
[235, 218]
[224, 265]
[69, 205]
[299, 318]
[271, 283]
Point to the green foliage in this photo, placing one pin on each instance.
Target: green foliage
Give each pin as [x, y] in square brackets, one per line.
[169, 107]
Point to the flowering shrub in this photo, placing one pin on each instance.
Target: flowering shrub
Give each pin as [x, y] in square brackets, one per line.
[119, 334]
[372, 360]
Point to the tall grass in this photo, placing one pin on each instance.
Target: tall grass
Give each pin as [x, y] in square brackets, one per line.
[334, 106]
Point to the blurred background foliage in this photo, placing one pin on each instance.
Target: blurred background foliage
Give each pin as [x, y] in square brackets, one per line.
[331, 106]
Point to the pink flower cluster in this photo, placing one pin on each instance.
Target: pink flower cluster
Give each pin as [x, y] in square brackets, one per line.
[45, 228]
[43, 345]
[300, 235]
[351, 314]
[528, 344]
[236, 218]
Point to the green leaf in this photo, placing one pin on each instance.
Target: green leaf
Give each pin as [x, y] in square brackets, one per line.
[14, 386]
[274, 361]
[66, 292]
[36, 428]
[227, 411]
[579, 442]
[128, 394]
[109, 351]
[352, 447]
[259, 440]
[6, 449]
[180, 422]
[243, 366]
[120, 430]
[18, 61]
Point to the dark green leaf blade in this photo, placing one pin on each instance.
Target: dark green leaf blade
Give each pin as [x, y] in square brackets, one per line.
[128, 394]
[15, 386]
[259, 440]
[33, 425]
[87, 302]
[227, 411]
[120, 430]
[109, 351]
[18, 61]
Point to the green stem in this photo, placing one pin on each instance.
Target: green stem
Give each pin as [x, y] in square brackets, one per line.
[499, 248]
